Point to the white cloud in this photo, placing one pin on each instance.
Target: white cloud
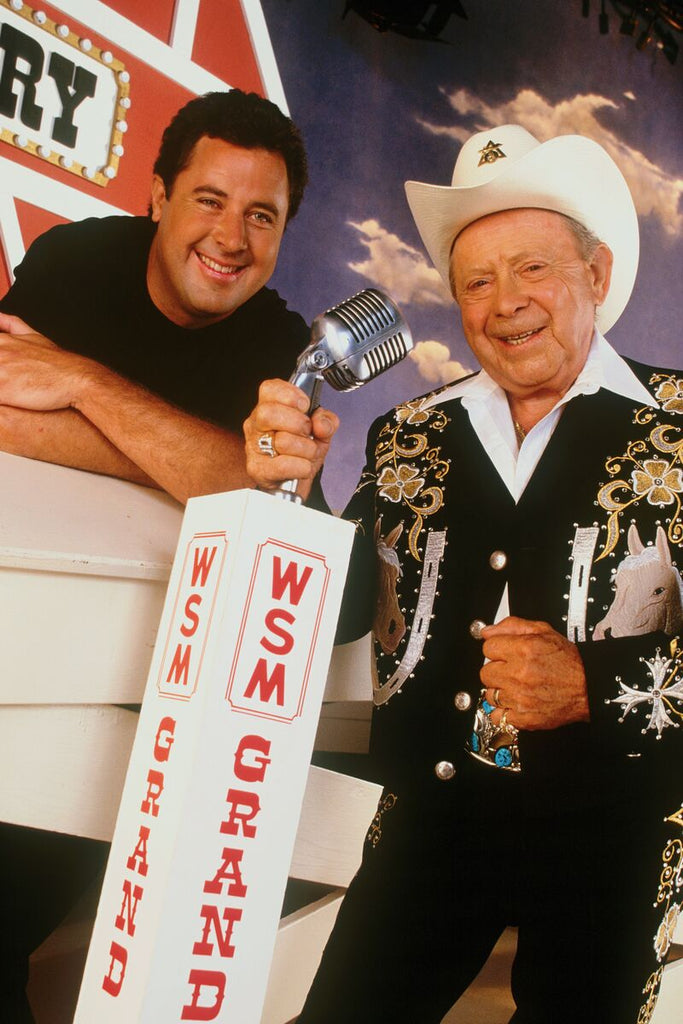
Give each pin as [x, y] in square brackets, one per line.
[434, 362]
[398, 268]
[655, 192]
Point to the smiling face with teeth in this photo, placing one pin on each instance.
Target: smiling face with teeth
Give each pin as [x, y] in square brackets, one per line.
[527, 299]
[218, 231]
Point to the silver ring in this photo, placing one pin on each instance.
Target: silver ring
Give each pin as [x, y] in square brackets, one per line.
[265, 445]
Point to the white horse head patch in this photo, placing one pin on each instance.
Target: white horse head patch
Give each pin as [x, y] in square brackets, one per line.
[648, 591]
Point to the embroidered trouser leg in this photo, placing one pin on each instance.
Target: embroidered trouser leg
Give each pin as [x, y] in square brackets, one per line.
[415, 927]
[448, 874]
[589, 917]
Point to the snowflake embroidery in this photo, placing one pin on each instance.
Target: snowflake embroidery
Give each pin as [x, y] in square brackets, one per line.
[670, 394]
[661, 694]
[658, 480]
[394, 484]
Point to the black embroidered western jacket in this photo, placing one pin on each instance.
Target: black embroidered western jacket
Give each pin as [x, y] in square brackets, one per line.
[591, 547]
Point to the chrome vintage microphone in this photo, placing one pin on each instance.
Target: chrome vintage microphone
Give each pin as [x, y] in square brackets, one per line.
[351, 344]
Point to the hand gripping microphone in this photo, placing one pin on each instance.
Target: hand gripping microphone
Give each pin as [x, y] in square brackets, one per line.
[351, 344]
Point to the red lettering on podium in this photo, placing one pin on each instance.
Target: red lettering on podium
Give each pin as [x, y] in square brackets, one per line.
[119, 958]
[267, 684]
[272, 624]
[137, 861]
[180, 666]
[229, 871]
[288, 580]
[191, 615]
[212, 919]
[238, 799]
[164, 739]
[126, 916]
[200, 980]
[202, 565]
[190, 624]
[257, 771]
[155, 787]
[138, 858]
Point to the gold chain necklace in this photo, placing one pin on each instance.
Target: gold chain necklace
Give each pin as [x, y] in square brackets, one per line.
[520, 432]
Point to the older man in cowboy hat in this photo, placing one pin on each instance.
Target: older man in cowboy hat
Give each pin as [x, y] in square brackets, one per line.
[528, 682]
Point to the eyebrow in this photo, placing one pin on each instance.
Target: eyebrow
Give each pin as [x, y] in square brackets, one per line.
[262, 204]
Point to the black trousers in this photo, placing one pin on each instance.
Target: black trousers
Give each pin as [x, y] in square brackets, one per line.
[42, 875]
[453, 868]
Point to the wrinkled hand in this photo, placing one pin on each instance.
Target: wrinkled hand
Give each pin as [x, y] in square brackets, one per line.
[534, 673]
[300, 441]
[34, 372]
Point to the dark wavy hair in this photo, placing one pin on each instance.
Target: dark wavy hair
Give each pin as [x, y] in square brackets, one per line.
[243, 119]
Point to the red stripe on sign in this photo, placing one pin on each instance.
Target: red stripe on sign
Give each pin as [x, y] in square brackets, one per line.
[222, 44]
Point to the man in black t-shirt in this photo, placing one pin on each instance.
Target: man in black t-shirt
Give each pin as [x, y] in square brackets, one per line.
[160, 329]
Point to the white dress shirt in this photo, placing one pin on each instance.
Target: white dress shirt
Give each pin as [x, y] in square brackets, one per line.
[489, 412]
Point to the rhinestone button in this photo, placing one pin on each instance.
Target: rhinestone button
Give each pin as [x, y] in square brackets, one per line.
[462, 700]
[444, 770]
[498, 560]
[476, 627]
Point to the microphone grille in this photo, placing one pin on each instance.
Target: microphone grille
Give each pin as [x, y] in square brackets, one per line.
[364, 314]
[391, 351]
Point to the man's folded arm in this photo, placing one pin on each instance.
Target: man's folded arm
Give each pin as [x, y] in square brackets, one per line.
[65, 438]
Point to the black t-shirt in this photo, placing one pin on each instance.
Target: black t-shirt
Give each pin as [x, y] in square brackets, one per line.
[83, 285]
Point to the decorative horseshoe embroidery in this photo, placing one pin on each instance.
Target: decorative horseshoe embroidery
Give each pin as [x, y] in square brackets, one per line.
[434, 549]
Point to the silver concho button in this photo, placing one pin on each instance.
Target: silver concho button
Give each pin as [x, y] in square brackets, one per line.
[444, 770]
[498, 560]
[476, 627]
[462, 700]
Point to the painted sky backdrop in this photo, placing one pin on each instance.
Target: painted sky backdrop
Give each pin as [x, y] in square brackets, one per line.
[378, 109]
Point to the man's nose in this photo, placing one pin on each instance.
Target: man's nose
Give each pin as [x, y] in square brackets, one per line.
[511, 295]
[230, 231]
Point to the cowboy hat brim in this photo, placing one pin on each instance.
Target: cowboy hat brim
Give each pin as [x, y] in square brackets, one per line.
[568, 174]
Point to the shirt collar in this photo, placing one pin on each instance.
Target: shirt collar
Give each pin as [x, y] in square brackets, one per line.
[604, 368]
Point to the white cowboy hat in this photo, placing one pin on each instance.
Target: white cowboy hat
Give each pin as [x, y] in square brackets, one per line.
[507, 168]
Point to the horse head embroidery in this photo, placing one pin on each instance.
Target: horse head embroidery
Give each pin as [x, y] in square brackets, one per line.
[648, 591]
[390, 625]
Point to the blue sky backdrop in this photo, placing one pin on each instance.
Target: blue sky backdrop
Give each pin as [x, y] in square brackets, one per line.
[377, 109]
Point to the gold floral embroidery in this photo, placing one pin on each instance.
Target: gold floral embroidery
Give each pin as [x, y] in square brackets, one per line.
[651, 991]
[669, 891]
[668, 896]
[665, 932]
[413, 412]
[658, 480]
[401, 482]
[669, 394]
[411, 467]
[375, 831]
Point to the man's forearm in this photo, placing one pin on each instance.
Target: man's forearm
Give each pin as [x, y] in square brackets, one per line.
[66, 438]
[182, 454]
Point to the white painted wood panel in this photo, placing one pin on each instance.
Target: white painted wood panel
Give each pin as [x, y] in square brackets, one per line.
[63, 767]
[300, 941]
[335, 816]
